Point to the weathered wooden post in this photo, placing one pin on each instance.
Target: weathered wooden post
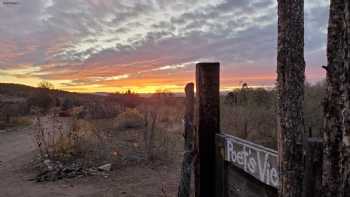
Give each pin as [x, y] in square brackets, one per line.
[312, 185]
[291, 77]
[185, 182]
[220, 165]
[208, 95]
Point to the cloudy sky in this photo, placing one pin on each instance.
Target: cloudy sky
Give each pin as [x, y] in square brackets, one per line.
[146, 45]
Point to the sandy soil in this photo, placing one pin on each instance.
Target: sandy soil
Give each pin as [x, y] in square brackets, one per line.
[17, 149]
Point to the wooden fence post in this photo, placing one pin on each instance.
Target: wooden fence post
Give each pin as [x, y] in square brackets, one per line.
[185, 182]
[208, 95]
[313, 167]
[221, 167]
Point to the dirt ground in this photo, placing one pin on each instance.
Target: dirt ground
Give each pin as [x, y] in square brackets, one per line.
[17, 149]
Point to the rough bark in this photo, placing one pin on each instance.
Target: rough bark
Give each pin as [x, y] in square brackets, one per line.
[334, 104]
[291, 76]
[345, 154]
[185, 182]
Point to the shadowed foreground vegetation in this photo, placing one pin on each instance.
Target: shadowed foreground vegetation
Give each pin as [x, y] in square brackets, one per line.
[75, 134]
[252, 113]
[249, 113]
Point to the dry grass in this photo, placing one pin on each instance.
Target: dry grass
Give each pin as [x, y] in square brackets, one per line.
[130, 119]
[162, 132]
[250, 122]
[149, 135]
[69, 139]
[23, 121]
[17, 122]
[167, 145]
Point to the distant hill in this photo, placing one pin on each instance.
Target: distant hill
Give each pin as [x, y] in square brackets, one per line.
[20, 99]
[16, 90]
[96, 105]
[17, 93]
[24, 91]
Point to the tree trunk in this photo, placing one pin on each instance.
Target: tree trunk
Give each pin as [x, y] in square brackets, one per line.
[291, 76]
[334, 104]
[185, 182]
[345, 154]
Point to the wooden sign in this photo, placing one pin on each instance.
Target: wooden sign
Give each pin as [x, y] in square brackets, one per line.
[254, 159]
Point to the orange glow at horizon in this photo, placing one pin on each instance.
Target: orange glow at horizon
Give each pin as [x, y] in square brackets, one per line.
[146, 85]
[146, 82]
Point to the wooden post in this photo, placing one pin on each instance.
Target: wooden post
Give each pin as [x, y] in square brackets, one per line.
[208, 95]
[185, 182]
[313, 171]
[221, 177]
[291, 77]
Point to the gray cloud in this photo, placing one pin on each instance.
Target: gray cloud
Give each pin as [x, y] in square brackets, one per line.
[123, 35]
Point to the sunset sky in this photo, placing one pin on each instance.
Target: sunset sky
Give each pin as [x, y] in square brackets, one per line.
[148, 45]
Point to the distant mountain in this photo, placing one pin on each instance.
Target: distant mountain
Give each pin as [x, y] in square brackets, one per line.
[10, 90]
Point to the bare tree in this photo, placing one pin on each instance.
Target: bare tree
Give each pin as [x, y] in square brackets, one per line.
[291, 77]
[334, 104]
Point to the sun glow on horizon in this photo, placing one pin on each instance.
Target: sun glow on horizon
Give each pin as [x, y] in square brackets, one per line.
[141, 89]
[144, 83]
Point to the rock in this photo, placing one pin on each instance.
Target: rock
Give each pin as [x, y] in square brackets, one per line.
[106, 167]
[134, 158]
[55, 170]
[48, 164]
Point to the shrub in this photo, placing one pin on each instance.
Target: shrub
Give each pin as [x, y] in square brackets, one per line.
[159, 140]
[100, 110]
[252, 113]
[69, 140]
[22, 121]
[16, 122]
[164, 146]
[10, 113]
[313, 109]
[67, 104]
[131, 118]
[128, 99]
[46, 85]
[42, 100]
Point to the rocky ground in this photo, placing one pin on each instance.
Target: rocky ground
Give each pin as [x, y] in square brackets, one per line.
[17, 149]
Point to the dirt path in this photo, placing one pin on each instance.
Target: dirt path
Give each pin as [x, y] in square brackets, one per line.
[17, 149]
[15, 143]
